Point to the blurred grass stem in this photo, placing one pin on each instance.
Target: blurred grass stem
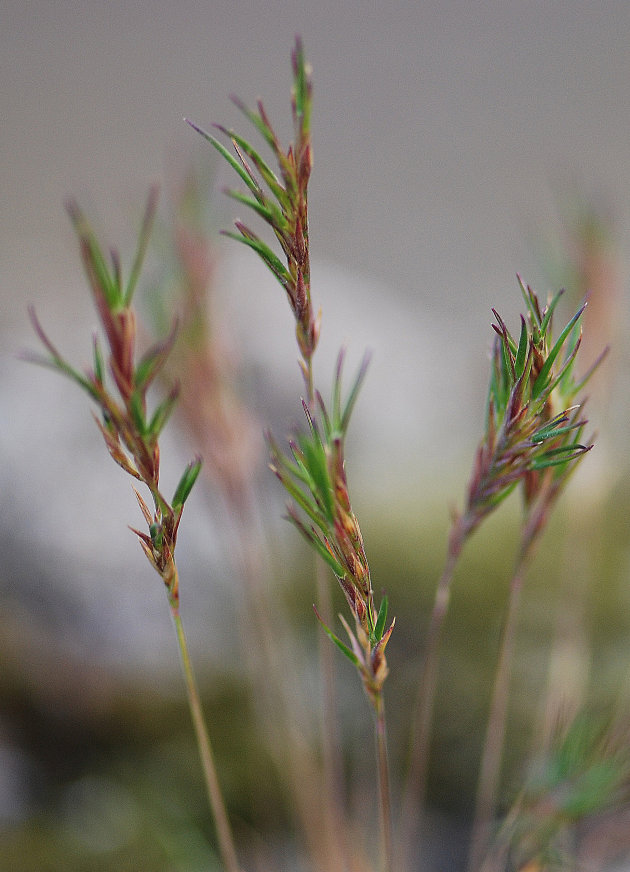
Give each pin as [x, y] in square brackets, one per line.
[492, 755]
[215, 797]
[331, 745]
[384, 787]
[414, 797]
[490, 769]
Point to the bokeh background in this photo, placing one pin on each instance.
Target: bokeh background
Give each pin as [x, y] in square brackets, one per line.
[455, 144]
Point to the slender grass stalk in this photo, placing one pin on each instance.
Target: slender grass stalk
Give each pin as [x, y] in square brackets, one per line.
[384, 783]
[331, 746]
[490, 768]
[215, 797]
[546, 492]
[414, 796]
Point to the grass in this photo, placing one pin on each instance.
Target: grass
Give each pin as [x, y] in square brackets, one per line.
[535, 436]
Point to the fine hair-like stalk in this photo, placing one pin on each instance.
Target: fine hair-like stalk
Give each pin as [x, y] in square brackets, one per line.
[213, 788]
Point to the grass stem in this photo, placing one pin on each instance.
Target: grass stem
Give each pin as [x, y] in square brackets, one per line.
[492, 755]
[384, 789]
[414, 797]
[215, 797]
[334, 810]
[490, 769]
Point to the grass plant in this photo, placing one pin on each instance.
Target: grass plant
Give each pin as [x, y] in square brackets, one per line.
[532, 443]
[131, 434]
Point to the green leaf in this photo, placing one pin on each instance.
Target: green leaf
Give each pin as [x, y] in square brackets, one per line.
[523, 345]
[301, 88]
[352, 657]
[302, 500]
[532, 306]
[157, 535]
[267, 174]
[325, 420]
[268, 211]
[566, 366]
[310, 535]
[186, 483]
[95, 265]
[271, 260]
[560, 456]
[541, 433]
[136, 408]
[549, 312]
[143, 242]
[502, 494]
[249, 179]
[508, 360]
[56, 361]
[152, 362]
[380, 621]
[264, 129]
[544, 435]
[315, 462]
[99, 365]
[542, 379]
[354, 393]
[162, 413]
[336, 393]
[298, 469]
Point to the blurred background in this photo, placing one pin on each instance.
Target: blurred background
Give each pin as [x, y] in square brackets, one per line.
[455, 144]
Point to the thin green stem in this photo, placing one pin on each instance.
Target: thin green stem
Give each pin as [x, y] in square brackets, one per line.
[215, 797]
[383, 780]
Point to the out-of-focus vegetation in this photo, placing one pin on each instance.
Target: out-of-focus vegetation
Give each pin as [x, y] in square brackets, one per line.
[113, 781]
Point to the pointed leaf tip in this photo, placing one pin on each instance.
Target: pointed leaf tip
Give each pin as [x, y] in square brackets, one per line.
[186, 483]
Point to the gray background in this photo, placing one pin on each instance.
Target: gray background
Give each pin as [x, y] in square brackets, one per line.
[442, 130]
